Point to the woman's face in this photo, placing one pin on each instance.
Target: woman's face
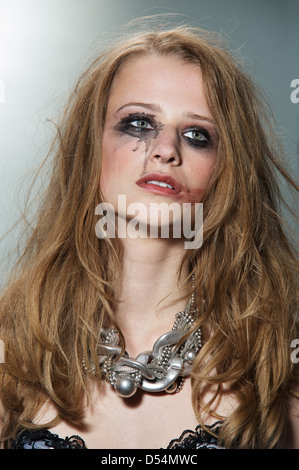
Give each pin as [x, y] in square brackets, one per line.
[159, 140]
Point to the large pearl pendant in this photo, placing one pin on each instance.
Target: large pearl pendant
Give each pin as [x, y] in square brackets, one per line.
[125, 386]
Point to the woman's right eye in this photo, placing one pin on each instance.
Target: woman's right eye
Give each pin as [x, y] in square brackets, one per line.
[136, 124]
[141, 124]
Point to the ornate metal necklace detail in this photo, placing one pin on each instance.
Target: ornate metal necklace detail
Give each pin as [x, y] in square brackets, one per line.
[152, 371]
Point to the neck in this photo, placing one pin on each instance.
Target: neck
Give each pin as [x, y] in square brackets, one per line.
[149, 288]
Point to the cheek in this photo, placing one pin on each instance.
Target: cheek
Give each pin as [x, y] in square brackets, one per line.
[117, 162]
[200, 176]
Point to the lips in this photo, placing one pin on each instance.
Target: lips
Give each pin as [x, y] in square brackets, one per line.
[159, 183]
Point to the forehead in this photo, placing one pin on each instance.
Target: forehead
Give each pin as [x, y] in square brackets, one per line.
[156, 78]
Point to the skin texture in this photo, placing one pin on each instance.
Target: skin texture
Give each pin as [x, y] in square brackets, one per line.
[157, 121]
[169, 92]
[166, 93]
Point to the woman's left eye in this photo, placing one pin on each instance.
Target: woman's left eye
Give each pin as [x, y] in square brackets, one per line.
[195, 135]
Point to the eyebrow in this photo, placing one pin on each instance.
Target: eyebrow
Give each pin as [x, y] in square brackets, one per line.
[199, 117]
[157, 108]
[150, 106]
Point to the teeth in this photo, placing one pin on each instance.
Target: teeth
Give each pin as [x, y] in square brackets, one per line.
[160, 183]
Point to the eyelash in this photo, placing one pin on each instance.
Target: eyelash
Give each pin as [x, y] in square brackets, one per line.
[126, 126]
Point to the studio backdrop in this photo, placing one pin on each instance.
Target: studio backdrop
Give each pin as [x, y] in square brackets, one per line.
[44, 44]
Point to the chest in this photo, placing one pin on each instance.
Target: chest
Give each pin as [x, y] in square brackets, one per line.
[144, 421]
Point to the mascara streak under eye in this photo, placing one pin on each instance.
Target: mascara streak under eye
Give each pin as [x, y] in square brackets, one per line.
[125, 124]
[142, 134]
[147, 134]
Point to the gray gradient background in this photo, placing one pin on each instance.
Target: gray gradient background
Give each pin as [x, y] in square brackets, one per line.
[44, 44]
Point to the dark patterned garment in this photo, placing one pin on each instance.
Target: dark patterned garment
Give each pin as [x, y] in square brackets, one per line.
[198, 439]
[44, 439]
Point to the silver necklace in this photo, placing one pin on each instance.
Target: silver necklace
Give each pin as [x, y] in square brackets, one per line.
[152, 371]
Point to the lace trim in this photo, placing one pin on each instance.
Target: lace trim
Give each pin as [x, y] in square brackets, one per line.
[45, 439]
[198, 439]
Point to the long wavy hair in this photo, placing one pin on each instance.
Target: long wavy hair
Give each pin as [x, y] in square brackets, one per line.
[62, 288]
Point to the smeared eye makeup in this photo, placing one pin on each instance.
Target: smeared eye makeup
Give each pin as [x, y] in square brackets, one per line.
[139, 125]
[198, 137]
[144, 126]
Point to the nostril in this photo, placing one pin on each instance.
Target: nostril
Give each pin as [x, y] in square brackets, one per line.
[165, 158]
[165, 148]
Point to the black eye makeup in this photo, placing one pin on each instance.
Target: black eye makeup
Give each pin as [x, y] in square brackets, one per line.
[138, 125]
[198, 137]
[144, 126]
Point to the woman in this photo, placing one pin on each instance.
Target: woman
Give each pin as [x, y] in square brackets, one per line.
[161, 117]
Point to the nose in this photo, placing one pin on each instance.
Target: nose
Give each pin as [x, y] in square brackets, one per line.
[165, 148]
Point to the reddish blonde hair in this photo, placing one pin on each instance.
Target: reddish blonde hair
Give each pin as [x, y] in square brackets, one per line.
[245, 272]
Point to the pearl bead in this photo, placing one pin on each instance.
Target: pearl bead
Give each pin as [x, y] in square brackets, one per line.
[190, 356]
[125, 386]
